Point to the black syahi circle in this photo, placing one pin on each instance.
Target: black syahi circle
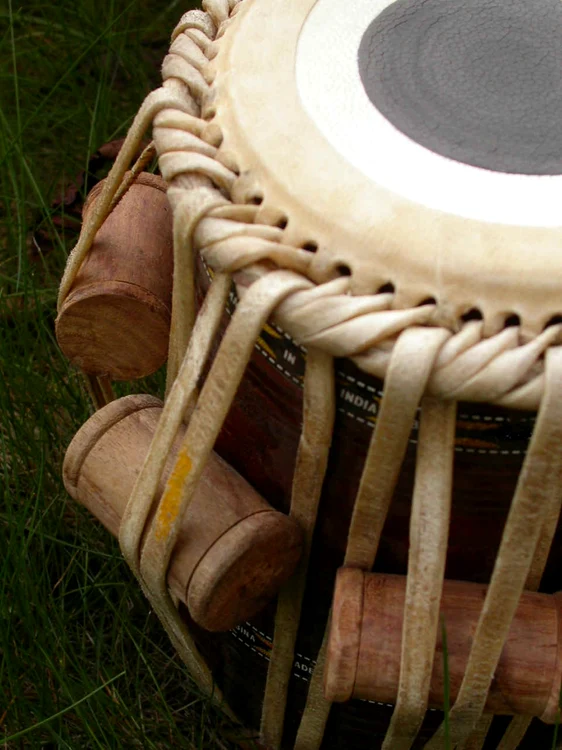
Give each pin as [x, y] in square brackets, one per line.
[477, 81]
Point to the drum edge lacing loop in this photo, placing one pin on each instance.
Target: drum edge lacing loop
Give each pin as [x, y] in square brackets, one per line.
[232, 237]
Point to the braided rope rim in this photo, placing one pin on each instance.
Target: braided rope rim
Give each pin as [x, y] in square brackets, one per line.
[216, 214]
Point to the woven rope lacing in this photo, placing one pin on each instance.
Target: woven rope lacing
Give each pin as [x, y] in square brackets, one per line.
[421, 363]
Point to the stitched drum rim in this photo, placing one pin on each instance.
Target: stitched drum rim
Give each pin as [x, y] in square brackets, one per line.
[222, 211]
[257, 107]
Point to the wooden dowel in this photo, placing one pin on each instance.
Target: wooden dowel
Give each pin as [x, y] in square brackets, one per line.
[234, 552]
[116, 319]
[365, 642]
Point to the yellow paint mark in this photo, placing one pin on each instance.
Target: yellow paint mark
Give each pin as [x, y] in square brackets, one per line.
[267, 348]
[272, 332]
[170, 504]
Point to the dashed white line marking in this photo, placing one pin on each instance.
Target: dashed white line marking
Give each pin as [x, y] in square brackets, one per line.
[296, 673]
[378, 393]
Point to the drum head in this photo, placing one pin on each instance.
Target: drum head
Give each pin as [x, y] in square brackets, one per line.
[414, 145]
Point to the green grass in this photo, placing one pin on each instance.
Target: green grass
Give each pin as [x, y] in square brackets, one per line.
[83, 662]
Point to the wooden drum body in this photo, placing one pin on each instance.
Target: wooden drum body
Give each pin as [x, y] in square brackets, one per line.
[366, 326]
[489, 449]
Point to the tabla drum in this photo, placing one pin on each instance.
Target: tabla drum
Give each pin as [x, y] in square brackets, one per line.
[366, 325]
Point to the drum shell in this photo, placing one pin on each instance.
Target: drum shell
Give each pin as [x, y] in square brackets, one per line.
[267, 411]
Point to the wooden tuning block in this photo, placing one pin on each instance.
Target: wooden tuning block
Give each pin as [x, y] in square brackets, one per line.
[234, 551]
[363, 658]
[115, 320]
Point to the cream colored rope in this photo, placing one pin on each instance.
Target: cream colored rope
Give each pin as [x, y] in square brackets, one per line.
[138, 508]
[407, 376]
[429, 531]
[180, 399]
[412, 359]
[417, 349]
[191, 204]
[499, 369]
[153, 103]
[519, 725]
[99, 389]
[317, 709]
[206, 420]
[212, 406]
[515, 733]
[145, 158]
[537, 494]
[310, 468]
[478, 736]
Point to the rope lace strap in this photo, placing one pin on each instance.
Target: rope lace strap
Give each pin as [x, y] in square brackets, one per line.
[537, 495]
[429, 531]
[179, 400]
[410, 367]
[207, 418]
[218, 391]
[409, 370]
[312, 459]
[478, 736]
[317, 708]
[519, 724]
[515, 733]
[138, 508]
[154, 102]
[499, 369]
[145, 158]
[192, 204]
